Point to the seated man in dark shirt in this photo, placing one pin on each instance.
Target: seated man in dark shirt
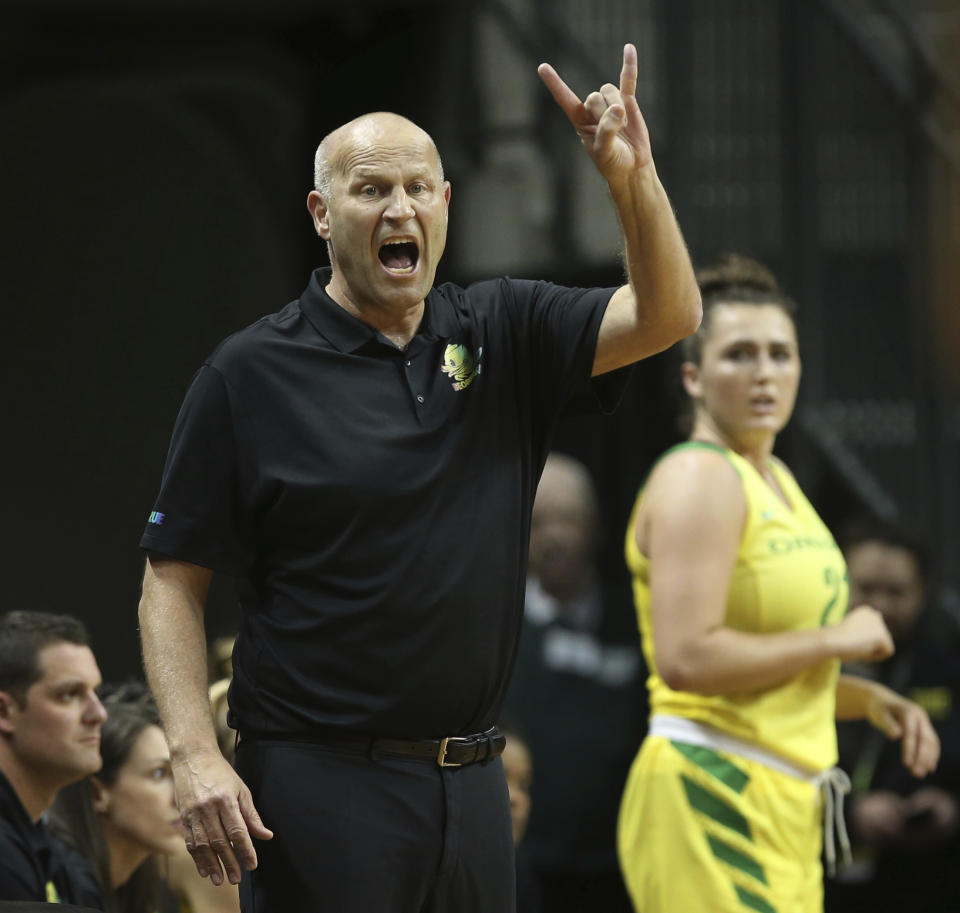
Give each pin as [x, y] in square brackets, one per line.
[50, 719]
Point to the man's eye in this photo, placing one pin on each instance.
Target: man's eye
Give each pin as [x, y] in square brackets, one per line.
[369, 191]
[417, 187]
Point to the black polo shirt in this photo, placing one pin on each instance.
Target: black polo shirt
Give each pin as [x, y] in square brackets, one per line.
[375, 503]
[36, 865]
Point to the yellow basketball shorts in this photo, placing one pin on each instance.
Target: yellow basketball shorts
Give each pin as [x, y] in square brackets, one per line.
[704, 831]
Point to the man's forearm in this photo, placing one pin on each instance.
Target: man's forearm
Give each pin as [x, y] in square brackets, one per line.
[174, 652]
[656, 258]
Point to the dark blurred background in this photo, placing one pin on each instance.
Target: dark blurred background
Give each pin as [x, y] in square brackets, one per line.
[155, 158]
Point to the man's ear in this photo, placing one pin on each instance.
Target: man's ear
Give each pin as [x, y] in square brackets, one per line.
[690, 375]
[100, 796]
[318, 210]
[10, 709]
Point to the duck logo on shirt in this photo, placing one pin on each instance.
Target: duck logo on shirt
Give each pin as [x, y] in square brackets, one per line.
[461, 366]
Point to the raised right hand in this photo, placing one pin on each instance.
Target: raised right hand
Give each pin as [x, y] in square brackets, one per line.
[608, 121]
[217, 815]
[862, 635]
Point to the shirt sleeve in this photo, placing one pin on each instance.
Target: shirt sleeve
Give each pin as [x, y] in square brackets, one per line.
[561, 326]
[199, 515]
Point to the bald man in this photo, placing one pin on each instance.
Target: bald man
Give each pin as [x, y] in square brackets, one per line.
[364, 463]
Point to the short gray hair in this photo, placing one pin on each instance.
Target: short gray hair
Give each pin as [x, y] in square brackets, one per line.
[322, 173]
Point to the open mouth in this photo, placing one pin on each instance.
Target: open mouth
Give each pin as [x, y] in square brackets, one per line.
[399, 256]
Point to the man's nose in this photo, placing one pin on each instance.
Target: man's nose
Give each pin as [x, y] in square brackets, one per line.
[96, 712]
[399, 207]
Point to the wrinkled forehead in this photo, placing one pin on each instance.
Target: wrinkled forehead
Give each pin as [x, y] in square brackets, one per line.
[373, 146]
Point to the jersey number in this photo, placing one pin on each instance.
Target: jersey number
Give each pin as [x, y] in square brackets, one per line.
[833, 580]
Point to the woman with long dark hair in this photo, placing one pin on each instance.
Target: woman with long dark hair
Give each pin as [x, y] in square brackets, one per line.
[121, 818]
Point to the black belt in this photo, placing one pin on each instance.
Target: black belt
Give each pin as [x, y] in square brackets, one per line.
[450, 751]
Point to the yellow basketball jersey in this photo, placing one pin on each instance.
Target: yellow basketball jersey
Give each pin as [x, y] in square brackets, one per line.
[789, 576]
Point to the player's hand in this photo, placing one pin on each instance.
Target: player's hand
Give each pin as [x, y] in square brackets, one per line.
[217, 815]
[898, 718]
[861, 635]
[608, 121]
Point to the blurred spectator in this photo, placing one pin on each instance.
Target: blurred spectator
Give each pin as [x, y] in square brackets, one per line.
[518, 770]
[905, 831]
[121, 817]
[50, 722]
[226, 737]
[220, 666]
[220, 657]
[579, 700]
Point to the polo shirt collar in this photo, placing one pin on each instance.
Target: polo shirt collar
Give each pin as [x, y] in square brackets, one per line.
[348, 333]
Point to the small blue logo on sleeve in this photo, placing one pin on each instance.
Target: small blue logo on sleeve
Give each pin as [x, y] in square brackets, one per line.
[156, 518]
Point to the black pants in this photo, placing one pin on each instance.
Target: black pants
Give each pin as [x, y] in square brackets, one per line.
[354, 834]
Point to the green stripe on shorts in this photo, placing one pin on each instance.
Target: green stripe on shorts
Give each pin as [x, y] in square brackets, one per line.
[754, 902]
[732, 856]
[720, 768]
[714, 807]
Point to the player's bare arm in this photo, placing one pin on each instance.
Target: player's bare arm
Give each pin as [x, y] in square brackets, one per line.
[690, 527]
[895, 716]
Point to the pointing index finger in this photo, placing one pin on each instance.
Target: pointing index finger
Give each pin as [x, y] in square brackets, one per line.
[628, 73]
[562, 94]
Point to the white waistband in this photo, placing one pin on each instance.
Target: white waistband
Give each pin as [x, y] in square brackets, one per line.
[693, 733]
[832, 784]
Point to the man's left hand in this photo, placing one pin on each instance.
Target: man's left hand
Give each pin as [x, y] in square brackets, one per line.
[608, 121]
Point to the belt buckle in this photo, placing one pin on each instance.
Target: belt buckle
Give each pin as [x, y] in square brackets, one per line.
[442, 754]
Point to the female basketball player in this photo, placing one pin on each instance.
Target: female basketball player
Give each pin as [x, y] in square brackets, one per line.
[742, 599]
